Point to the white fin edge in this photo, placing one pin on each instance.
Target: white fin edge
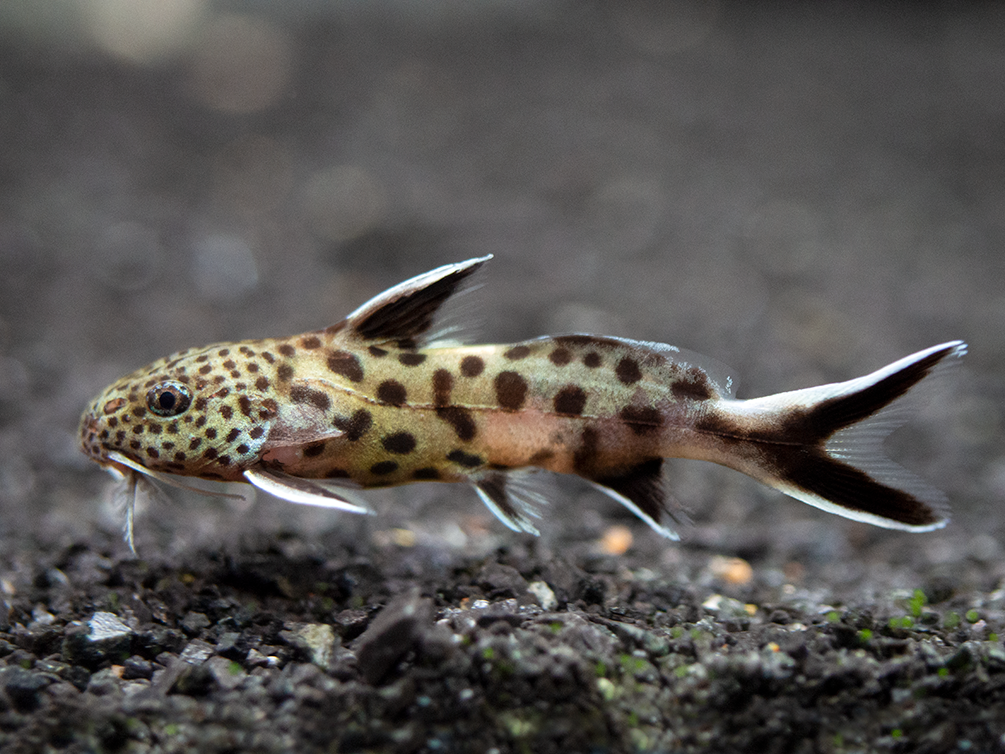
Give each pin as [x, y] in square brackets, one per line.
[867, 518]
[300, 491]
[121, 460]
[811, 396]
[508, 521]
[663, 531]
[524, 499]
[413, 284]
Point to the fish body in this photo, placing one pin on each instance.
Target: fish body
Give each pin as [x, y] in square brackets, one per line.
[369, 403]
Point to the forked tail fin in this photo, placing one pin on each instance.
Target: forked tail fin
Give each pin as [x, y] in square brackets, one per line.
[822, 445]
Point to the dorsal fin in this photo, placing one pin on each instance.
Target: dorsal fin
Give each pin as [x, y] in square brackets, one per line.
[641, 490]
[405, 312]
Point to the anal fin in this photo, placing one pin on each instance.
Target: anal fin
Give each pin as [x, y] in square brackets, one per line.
[641, 490]
[511, 499]
[301, 491]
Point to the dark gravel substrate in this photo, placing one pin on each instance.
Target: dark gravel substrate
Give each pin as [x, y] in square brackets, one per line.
[807, 191]
[388, 648]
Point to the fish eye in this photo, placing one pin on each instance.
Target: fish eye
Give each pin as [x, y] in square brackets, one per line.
[169, 399]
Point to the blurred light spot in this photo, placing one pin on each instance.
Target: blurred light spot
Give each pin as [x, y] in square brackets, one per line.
[224, 267]
[253, 173]
[662, 27]
[142, 31]
[731, 570]
[616, 540]
[240, 64]
[128, 256]
[783, 237]
[343, 202]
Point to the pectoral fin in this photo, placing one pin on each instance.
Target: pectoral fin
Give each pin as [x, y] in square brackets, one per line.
[511, 498]
[300, 491]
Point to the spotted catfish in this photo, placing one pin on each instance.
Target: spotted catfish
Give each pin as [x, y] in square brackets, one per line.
[369, 403]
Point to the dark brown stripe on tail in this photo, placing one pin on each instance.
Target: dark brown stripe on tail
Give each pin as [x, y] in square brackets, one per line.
[835, 414]
[853, 489]
[794, 451]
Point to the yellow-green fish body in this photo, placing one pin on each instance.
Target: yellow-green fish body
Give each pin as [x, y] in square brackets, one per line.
[367, 403]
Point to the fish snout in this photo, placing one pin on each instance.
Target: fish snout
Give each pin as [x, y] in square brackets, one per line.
[91, 432]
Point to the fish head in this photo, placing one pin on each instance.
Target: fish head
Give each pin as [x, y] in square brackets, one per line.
[195, 413]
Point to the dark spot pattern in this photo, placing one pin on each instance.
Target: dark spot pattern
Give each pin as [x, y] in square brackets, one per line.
[244, 403]
[226, 412]
[223, 460]
[383, 468]
[570, 400]
[443, 384]
[233, 434]
[642, 420]
[302, 394]
[472, 366]
[411, 359]
[628, 371]
[693, 385]
[268, 357]
[284, 372]
[230, 364]
[310, 342]
[242, 448]
[211, 433]
[313, 450]
[392, 392]
[511, 390]
[251, 367]
[210, 454]
[592, 360]
[462, 458]
[517, 352]
[377, 351]
[461, 420]
[401, 443]
[346, 364]
[426, 473]
[205, 369]
[255, 432]
[262, 383]
[287, 350]
[354, 426]
[195, 443]
[560, 356]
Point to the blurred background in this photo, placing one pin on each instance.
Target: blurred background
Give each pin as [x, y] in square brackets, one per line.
[803, 191]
